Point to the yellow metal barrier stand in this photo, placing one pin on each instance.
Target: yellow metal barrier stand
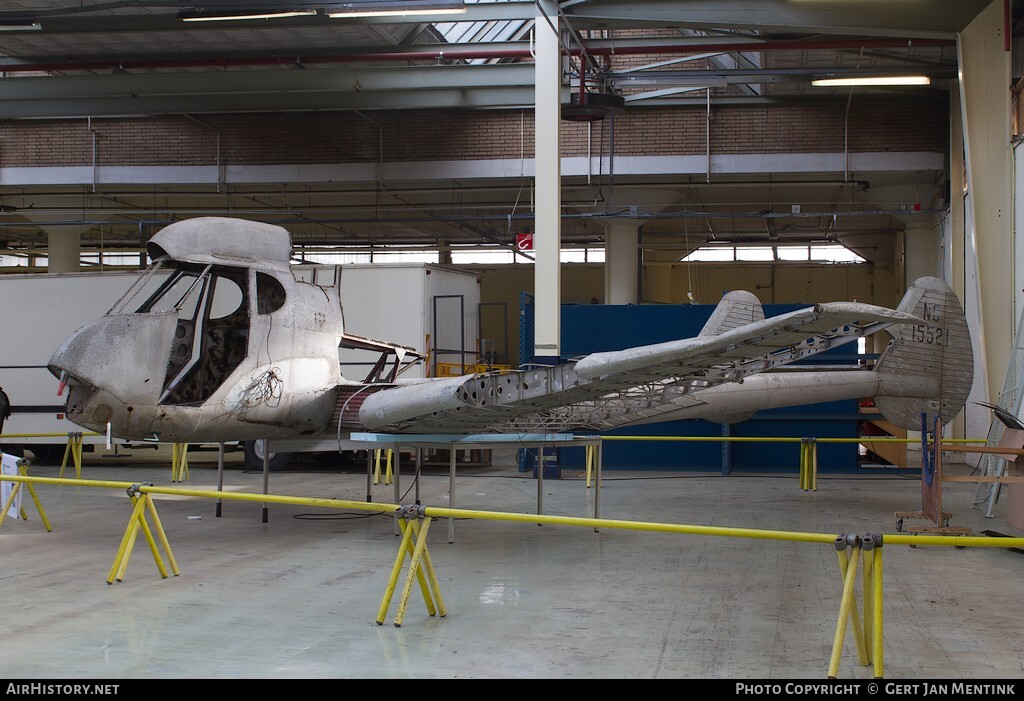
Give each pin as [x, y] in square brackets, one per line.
[858, 630]
[15, 487]
[435, 585]
[416, 566]
[179, 462]
[814, 464]
[849, 584]
[867, 586]
[590, 452]
[127, 542]
[803, 465]
[809, 464]
[23, 471]
[876, 590]
[409, 531]
[389, 590]
[388, 474]
[141, 503]
[74, 450]
[159, 526]
[39, 504]
[10, 500]
[417, 554]
[149, 537]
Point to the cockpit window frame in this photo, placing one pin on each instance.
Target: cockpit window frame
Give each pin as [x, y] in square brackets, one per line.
[200, 278]
[216, 345]
[140, 284]
[271, 295]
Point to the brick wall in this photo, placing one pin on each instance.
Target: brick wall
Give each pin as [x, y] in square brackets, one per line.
[426, 135]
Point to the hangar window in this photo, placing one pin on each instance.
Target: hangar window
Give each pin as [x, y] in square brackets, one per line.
[460, 255]
[821, 253]
[499, 256]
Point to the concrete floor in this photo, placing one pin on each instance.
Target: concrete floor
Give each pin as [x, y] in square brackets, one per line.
[297, 596]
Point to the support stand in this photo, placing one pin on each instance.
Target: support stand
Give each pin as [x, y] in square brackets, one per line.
[867, 632]
[414, 524]
[179, 462]
[931, 486]
[809, 464]
[12, 498]
[387, 454]
[142, 503]
[74, 451]
[593, 463]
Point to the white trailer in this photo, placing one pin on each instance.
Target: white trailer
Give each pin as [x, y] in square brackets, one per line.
[40, 310]
[432, 309]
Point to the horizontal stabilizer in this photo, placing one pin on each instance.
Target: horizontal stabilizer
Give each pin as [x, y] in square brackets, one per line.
[811, 327]
[607, 389]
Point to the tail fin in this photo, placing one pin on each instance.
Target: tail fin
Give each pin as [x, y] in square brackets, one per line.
[736, 308]
[926, 368]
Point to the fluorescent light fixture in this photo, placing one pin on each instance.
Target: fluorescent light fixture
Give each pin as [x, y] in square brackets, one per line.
[889, 80]
[398, 7]
[200, 16]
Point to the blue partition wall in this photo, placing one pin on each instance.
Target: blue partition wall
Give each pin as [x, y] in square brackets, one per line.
[601, 327]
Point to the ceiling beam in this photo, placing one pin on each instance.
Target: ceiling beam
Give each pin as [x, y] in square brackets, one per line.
[79, 19]
[936, 18]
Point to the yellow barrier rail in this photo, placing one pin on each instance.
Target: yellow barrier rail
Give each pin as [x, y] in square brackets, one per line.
[47, 435]
[808, 448]
[784, 439]
[698, 439]
[72, 450]
[415, 521]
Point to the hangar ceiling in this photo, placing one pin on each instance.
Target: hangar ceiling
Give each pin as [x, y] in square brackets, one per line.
[91, 59]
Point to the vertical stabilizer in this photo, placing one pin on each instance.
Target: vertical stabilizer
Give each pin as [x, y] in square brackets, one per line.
[737, 308]
[927, 367]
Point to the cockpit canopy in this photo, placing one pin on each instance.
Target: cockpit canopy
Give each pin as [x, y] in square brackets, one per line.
[222, 240]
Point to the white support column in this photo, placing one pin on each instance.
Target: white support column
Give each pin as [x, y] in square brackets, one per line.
[64, 250]
[974, 420]
[444, 251]
[985, 96]
[547, 238]
[621, 262]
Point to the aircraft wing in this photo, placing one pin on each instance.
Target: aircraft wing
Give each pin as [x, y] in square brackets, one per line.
[593, 392]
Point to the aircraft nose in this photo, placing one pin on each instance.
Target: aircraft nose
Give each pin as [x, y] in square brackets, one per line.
[118, 354]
